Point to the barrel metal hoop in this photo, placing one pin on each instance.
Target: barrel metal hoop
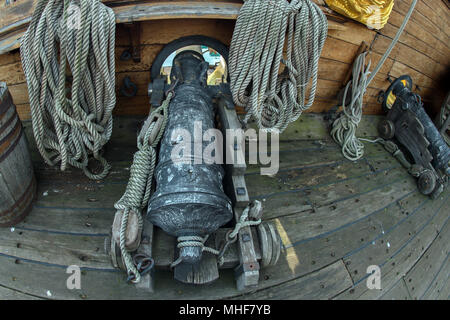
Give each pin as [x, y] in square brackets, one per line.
[19, 218]
[8, 144]
[5, 103]
[13, 117]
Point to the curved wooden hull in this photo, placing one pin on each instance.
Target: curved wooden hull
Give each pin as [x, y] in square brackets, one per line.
[422, 52]
[336, 217]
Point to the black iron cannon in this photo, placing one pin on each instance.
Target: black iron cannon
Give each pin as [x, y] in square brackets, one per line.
[189, 200]
[197, 205]
[409, 124]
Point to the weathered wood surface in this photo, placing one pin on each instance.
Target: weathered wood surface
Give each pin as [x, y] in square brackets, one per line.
[321, 284]
[328, 212]
[431, 273]
[11, 294]
[15, 17]
[177, 10]
[17, 182]
[399, 248]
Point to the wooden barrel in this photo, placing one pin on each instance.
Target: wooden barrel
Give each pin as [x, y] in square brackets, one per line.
[17, 180]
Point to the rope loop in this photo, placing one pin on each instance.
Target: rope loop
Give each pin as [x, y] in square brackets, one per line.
[192, 241]
[230, 237]
[138, 190]
[71, 122]
[272, 99]
[344, 127]
[243, 222]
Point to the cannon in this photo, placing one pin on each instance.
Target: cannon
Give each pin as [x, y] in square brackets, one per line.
[196, 205]
[189, 200]
[408, 123]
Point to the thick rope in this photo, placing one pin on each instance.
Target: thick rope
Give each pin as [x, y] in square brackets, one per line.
[243, 222]
[138, 190]
[344, 127]
[262, 29]
[70, 123]
[195, 241]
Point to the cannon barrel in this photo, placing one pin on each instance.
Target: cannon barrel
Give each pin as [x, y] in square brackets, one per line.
[189, 199]
[438, 147]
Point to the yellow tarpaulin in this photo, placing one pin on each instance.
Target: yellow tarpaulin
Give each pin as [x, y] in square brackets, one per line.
[373, 13]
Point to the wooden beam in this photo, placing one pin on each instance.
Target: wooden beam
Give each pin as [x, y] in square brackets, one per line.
[176, 10]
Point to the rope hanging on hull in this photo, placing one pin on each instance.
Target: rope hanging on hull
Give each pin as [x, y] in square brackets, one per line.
[137, 192]
[344, 127]
[68, 128]
[262, 30]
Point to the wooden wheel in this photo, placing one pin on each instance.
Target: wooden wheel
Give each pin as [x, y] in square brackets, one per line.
[265, 244]
[426, 182]
[386, 129]
[270, 243]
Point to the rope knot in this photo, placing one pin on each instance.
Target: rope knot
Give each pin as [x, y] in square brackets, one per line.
[191, 241]
[194, 241]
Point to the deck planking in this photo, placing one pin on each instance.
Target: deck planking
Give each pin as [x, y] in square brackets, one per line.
[398, 249]
[10, 294]
[328, 212]
[432, 270]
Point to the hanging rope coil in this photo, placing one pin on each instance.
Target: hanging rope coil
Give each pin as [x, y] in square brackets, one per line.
[71, 123]
[344, 127]
[262, 29]
[138, 190]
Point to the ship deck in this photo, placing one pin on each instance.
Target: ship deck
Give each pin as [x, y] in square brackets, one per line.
[335, 217]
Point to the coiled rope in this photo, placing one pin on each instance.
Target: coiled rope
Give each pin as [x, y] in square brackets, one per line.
[71, 123]
[262, 28]
[195, 241]
[344, 127]
[138, 190]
